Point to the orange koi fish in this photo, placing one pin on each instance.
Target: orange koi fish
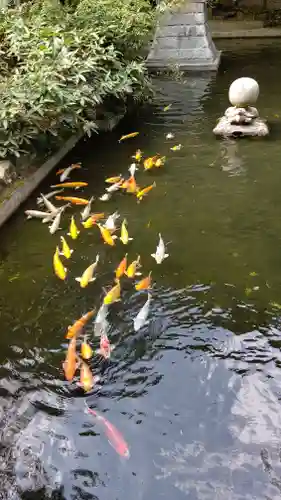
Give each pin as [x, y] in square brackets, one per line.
[144, 284]
[86, 350]
[114, 294]
[92, 220]
[79, 324]
[114, 437]
[132, 186]
[121, 269]
[132, 268]
[71, 185]
[106, 348]
[108, 238]
[138, 155]
[73, 199]
[87, 380]
[128, 136]
[70, 364]
[143, 192]
[113, 180]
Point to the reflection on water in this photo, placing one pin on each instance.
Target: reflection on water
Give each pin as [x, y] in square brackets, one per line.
[195, 393]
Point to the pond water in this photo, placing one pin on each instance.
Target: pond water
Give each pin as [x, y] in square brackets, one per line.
[196, 392]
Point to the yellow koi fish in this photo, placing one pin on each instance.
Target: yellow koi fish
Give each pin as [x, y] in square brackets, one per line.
[87, 276]
[59, 269]
[124, 237]
[160, 161]
[144, 284]
[145, 190]
[128, 136]
[86, 350]
[87, 380]
[114, 294]
[138, 155]
[73, 230]
[92, 220]
[149, 162]
[113, 180]
[108, 238]
[132, 268]
[176, 148]
[70, 185]
[167, 107]
[66, 251]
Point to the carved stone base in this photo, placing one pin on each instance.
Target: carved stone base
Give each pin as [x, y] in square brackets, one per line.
[225, 128]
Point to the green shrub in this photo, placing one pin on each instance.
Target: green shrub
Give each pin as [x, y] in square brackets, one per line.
[58, 63]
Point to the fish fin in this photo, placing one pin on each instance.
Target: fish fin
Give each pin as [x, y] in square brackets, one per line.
[153, 255]
[138, 274]
[166, 255]
[93, 279]
[78, 279]
[114, 237]
[96, 379]
[130, 239]
[112, 347]
[29, 217]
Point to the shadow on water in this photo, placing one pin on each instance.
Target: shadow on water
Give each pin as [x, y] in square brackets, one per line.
[196, 392]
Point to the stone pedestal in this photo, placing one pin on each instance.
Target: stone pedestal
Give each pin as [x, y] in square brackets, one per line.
[183, 39]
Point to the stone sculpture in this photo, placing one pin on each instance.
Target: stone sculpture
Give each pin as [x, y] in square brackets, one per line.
[242, 118]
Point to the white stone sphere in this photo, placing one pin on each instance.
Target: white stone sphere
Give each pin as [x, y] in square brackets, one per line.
[243, 92]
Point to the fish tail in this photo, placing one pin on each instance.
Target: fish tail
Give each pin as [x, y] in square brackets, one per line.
[153, 255]
[78, 279]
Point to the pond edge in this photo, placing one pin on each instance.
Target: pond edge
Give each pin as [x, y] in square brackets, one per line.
[20, 195]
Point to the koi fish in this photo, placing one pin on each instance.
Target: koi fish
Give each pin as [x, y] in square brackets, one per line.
[66, 251]
[176, 148]
[87, 210]
[124, 233]
[121, 269]
[92, 220]
[73, 230]
[105, 197]
[55, 225]
[160, 161]
[75, 185]
[141, 318]
[108, 238]
[110, 222]
[101, 324]
[48, 196]
[149, 162]
[114, 294]
[37, 214]
[160, 254]
[78, 325]
[113, 180]
[128, 136]
[70, 364]
[86, 350]
[64, 173]
[144, 284]
[167, 107]
[170, 135]
[132, 169]
[132, 268]
[105, 348]
[87, 380]
[144, 191]
[50, 207]
[87, 276]
[59, 269]
[114, 187]
[114, 437]
[132, 186]
[138, 155]
[73, 199]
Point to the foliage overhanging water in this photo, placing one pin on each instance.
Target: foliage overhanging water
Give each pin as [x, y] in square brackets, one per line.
[196, 393]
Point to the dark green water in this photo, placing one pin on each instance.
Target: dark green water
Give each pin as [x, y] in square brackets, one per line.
[196, 393]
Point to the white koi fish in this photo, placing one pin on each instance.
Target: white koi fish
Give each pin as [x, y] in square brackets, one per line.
[40, 200]
[170, 135]
[49, 205]
[110, 222]
[54, 214]
[132, 169]
[37, 214]
[87, 210]
[114, 187]
[55, 225]
[141, 319]
[101, 324]
[105, 197]
[160, 254]
[88, 275]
